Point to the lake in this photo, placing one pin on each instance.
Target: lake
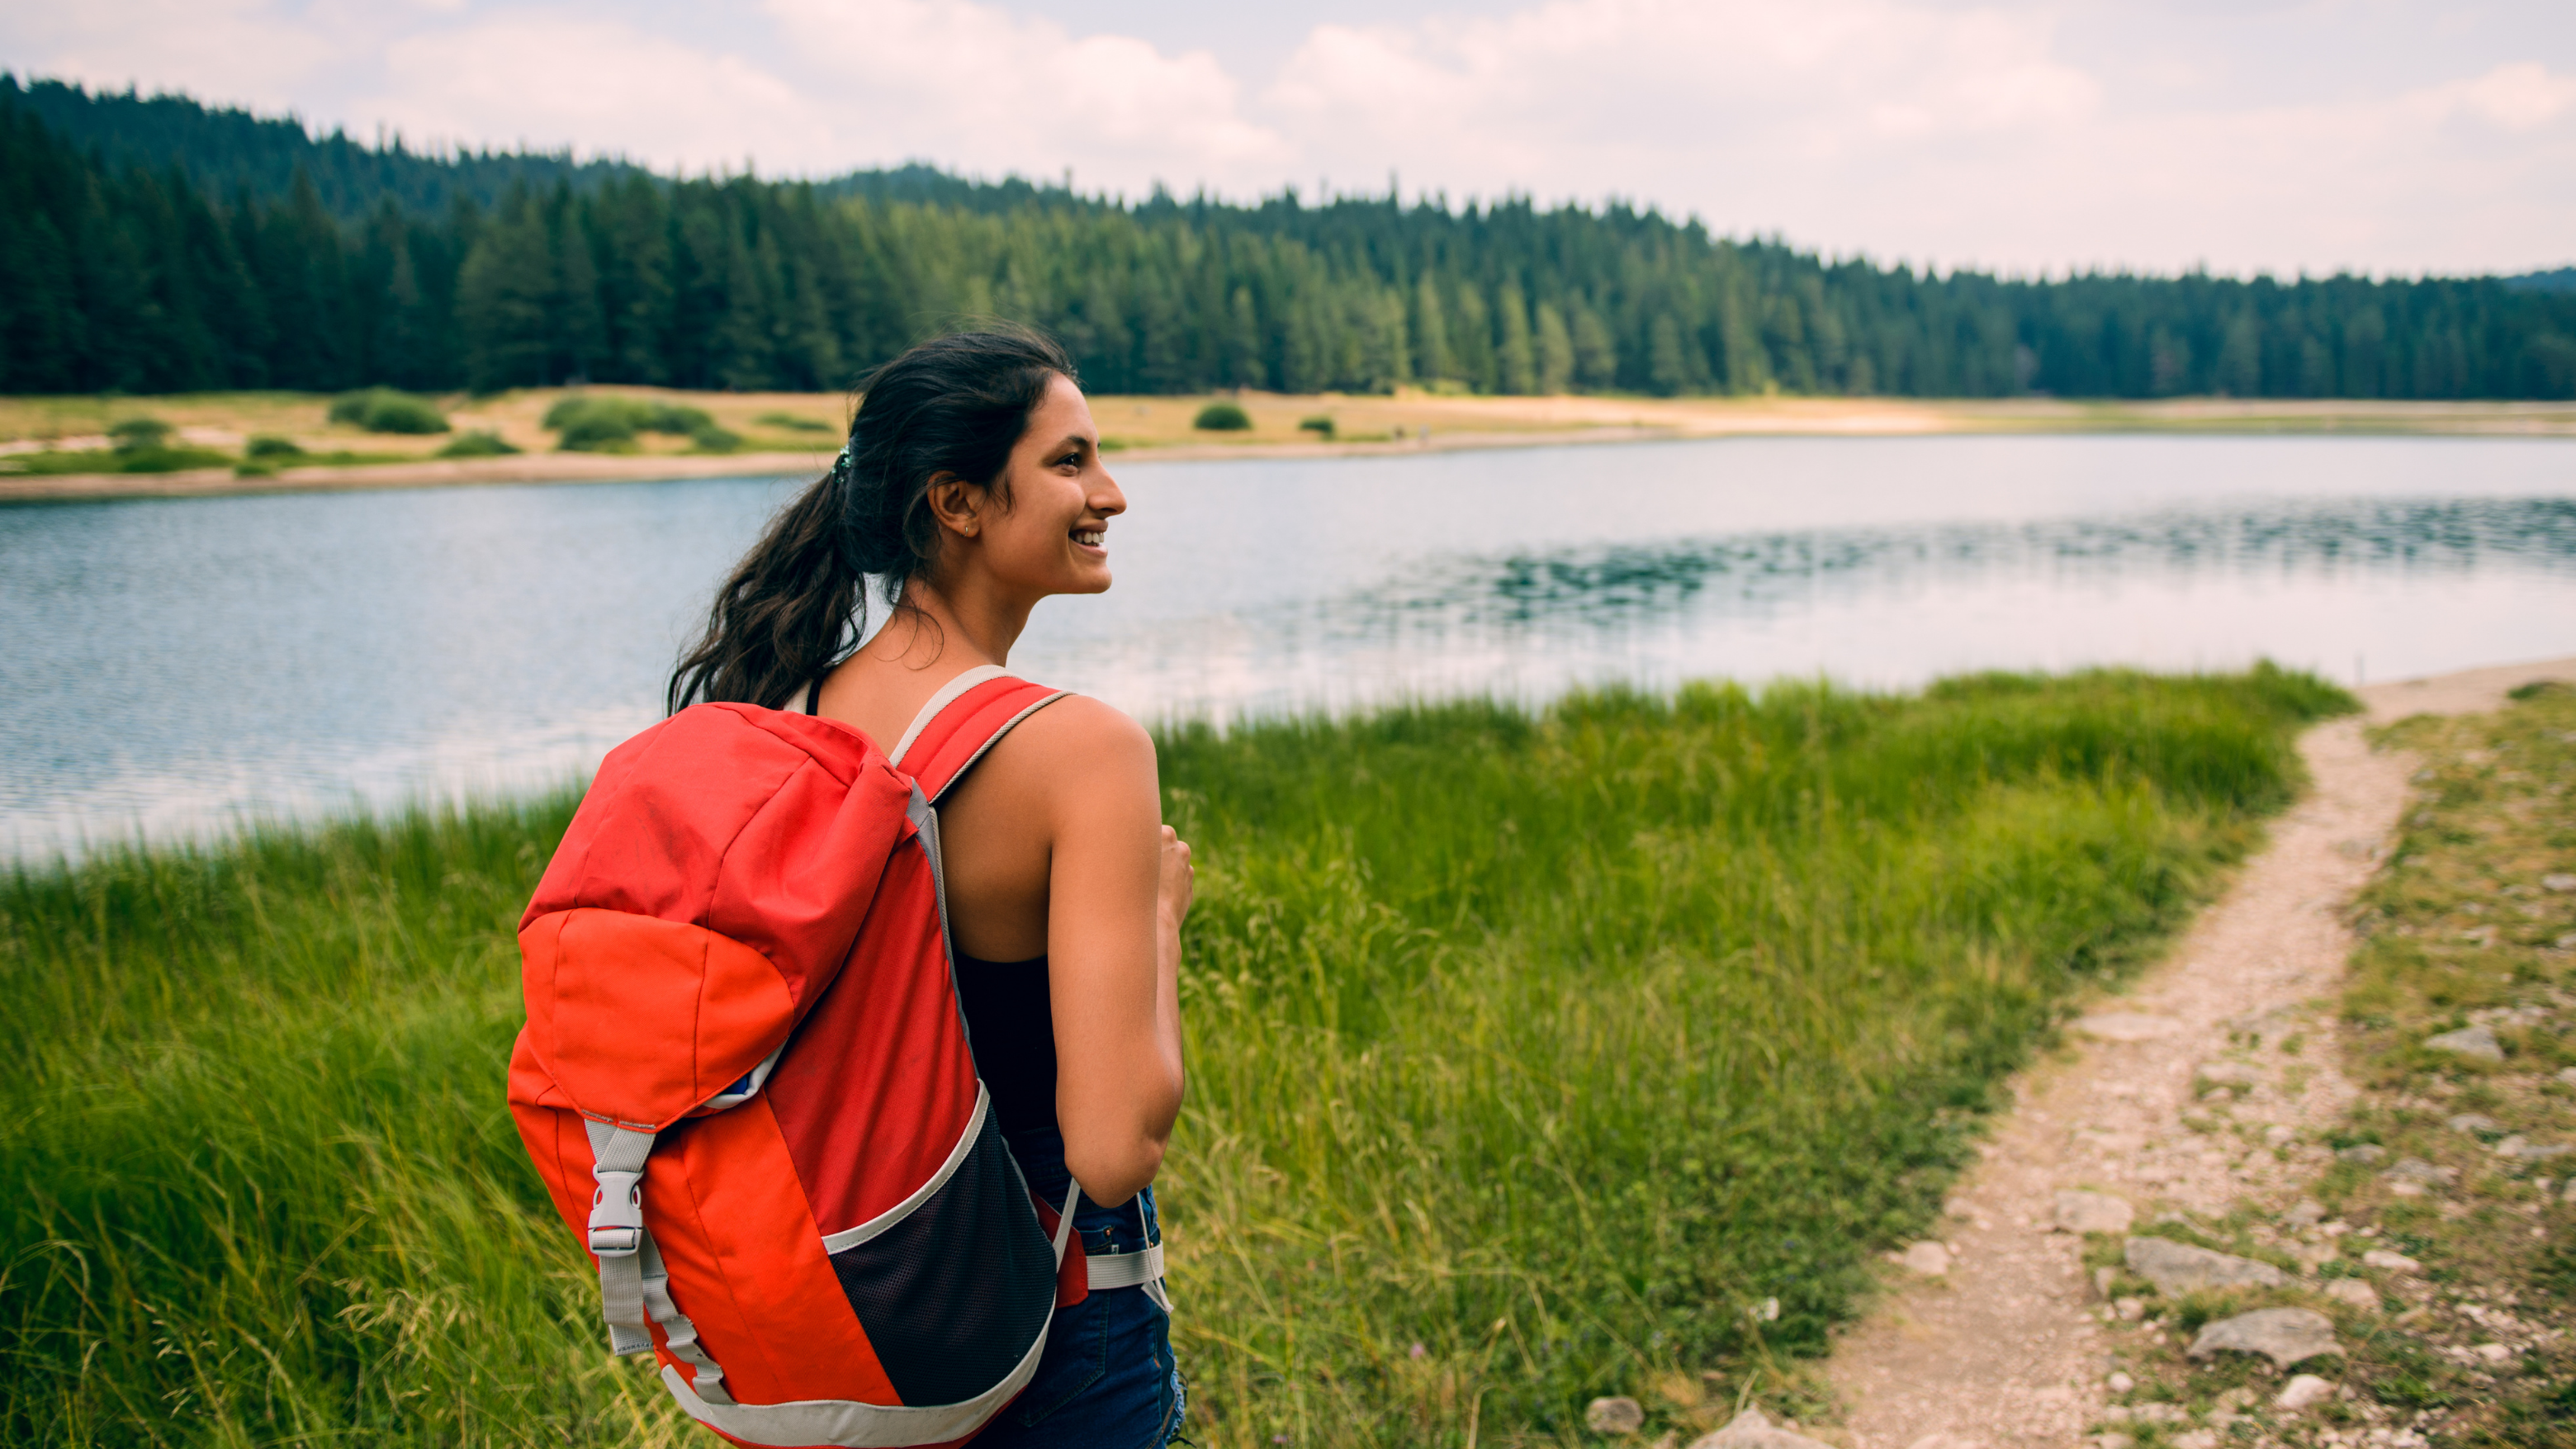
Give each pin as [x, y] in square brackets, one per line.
[175, 666]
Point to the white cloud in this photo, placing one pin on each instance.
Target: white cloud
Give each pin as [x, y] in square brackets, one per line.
[2517, 97]
[978, 86]
[243, 49]
[551, 81]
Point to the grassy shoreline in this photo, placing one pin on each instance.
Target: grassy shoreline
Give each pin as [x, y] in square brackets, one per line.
[797, 432]
[1534, 1056]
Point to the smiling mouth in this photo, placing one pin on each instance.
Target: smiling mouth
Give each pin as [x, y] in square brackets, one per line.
[1095, 537]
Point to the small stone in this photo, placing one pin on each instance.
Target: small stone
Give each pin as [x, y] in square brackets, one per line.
[2492, 1352]
[2197, 1439]
[2303, 1391]
[2119, 1383]
[2092, 1212]
[2567, 1075]
[2393, 1262]
[1749, 1430]
[2103, 1278]
[2362, 1152]
[2306, 1213]
[2472, 1122]
[2129, 1309]
[1617, 1414]
[1945, 1441]
[2286, 1336]
[2416, 1169]
[1932, 1260]
[2468, 1041]
[2353, 1291]
[2407, 1189]
[2559, 882]
[2126, 1026]
[2179, 1268]
[2536, 1151]
[2111, 1441]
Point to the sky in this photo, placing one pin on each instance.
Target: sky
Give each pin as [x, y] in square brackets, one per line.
[2031, 136]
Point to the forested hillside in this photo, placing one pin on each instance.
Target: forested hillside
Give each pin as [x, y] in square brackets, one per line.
[143, 252]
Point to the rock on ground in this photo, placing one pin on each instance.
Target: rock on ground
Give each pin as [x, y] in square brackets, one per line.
[1617, 1414]
[2283, 1335]
[2303, 1391]
[2468, 1041]
[1749, 1430]
[2179, 1268]
[2092, 1212]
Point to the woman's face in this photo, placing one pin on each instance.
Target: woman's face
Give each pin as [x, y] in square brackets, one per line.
[1053, 538]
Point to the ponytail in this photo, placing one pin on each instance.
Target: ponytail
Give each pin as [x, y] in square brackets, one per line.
[796, 606]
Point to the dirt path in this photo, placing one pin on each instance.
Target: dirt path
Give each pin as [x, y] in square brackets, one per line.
[2001, 1350]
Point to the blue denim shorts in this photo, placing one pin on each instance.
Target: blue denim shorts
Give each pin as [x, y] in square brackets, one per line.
[1107, 1379]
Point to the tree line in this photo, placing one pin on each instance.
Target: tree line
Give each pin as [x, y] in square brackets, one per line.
[116, 273]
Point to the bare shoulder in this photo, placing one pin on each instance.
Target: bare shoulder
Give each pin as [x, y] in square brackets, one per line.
[1076, 752]
[1080, 728]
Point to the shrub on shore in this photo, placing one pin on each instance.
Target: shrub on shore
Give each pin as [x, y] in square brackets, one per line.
[385, 410]
[268, 447]
[478, 444]
[1529, 1051]
[139, 435]
[609, 424]
[1222, 417]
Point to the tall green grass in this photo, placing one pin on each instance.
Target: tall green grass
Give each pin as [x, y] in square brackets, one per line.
[1532, 1054]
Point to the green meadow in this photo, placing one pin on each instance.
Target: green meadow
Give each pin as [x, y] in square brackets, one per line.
[1534, 1056]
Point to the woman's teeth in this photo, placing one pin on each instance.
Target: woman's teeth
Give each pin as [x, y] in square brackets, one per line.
[1092, 536]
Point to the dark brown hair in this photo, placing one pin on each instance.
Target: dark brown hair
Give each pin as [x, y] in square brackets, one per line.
[797, 603]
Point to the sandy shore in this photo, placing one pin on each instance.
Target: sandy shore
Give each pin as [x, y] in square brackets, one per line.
[1157, 429]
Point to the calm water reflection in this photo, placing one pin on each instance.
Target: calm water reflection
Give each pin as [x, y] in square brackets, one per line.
[171, 665]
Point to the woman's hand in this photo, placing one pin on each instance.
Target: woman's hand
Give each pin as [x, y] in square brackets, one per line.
[1179, 878]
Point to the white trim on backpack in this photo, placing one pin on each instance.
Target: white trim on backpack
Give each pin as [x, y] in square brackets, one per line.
[871, 1426]
[848, 1238]
[947, 695]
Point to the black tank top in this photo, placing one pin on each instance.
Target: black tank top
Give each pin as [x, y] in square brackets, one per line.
[1011, 1023]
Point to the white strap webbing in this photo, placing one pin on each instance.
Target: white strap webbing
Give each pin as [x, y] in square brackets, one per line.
[633, 1281]
[1129, 1270]
[946, 696]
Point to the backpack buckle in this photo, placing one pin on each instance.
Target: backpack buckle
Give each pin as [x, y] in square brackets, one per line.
[617, 1214]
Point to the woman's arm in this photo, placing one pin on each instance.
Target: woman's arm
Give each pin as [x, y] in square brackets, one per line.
[1119, 885]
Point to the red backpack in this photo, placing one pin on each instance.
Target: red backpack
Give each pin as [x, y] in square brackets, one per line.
[747, 1082]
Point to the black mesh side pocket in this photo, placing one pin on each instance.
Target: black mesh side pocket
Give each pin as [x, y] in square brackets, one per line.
[953, 1295]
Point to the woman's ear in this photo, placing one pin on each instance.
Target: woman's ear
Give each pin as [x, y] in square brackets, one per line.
[956, 503]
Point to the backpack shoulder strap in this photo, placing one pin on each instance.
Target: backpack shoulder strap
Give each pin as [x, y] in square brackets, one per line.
[963, 720]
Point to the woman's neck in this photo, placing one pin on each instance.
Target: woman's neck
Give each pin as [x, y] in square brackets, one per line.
[964, 626]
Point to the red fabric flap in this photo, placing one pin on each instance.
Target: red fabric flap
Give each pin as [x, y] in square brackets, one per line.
[638, 1020]
[766, 827]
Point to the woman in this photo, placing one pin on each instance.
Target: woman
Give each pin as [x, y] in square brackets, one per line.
[973, 486]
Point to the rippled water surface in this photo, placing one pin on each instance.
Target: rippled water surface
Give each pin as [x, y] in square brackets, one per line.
[171, 666]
